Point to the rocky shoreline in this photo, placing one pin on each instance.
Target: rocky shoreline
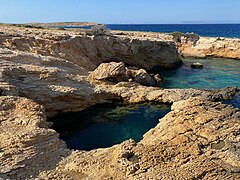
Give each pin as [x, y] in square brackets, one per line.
[44, 72]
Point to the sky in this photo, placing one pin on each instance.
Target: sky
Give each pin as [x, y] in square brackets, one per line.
[121, 11]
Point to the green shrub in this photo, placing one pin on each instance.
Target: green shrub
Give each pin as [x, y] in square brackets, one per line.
[177, 36]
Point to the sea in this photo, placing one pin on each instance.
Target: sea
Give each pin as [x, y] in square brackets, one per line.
[211, 30]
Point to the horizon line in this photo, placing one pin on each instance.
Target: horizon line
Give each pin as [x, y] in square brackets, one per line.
[165, 23]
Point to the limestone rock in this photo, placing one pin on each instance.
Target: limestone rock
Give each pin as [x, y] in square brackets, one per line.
[211, 47]
[198, 139]
[27, 145]
[90, 51]
[117, 72]
[197, 65]
[108, 70]
[135, 93]
[59, 85]
[141, 76]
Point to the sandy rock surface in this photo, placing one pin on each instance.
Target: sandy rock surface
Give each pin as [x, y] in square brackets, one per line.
[27, 144]
[88, 51]
[197, 139]
[207, 47]
[44, 72]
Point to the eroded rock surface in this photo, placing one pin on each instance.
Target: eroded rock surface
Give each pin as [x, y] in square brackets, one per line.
[27, 145]
[207, 47]
[117, 72]
[198, 139]
[57, 84]
[135, 93]
[90, 51]
[108, 70]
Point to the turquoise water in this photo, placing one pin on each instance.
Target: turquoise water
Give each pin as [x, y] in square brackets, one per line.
[108, 124]
[217, 73]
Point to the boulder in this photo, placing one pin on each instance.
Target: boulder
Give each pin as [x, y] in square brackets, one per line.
[141, 76]
[108, 70]
[197, 65]
[117, 72]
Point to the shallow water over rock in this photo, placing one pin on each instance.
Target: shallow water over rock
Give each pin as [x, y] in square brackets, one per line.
[235, 101]
[216, 73]
[107, 124]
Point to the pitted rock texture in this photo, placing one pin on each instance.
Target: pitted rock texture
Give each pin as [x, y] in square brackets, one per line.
[135, 93]
[62, 86]
[207, 47]
[27, 145]
[52, 82]
[90, 51]
[198, 139]
[117, 72]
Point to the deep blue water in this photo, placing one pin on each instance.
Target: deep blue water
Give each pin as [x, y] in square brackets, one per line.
[212, 30]
[108, 124]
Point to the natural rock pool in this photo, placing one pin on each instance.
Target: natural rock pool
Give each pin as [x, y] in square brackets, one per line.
[107, 124]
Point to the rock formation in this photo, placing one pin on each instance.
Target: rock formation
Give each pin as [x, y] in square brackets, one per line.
[192, 45]
[52, 82]
[44, 72]
[207, 47]
[197, 65]
[89, 51]
[108, 70]
[26, 141]
[198, 139]
[117, 72]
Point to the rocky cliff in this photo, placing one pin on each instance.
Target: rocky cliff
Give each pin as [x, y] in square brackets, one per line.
[207, 47]
[88, 51]
[192, 45]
